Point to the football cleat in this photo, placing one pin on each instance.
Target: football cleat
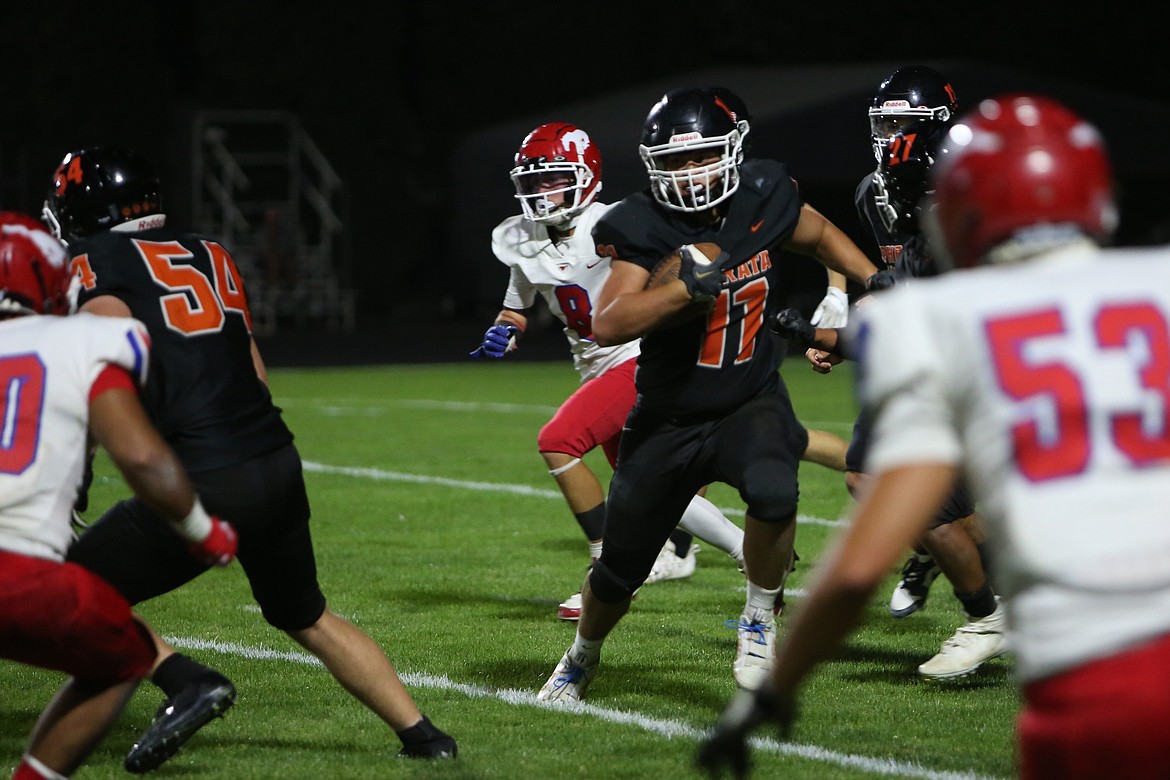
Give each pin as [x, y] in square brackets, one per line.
[570, 608]
[669, 566]
[178, 719]
[569, 680]
[981, 639]
[755, 651]
[427, 741]
[918, 574]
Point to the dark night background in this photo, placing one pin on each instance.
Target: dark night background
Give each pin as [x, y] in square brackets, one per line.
[399, 95]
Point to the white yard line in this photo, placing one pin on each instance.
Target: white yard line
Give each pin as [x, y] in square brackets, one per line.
[495, 487]
[663, 727]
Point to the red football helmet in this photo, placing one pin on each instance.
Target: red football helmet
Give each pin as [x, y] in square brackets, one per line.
[556, 159]
[1024, 169]
[34, 269]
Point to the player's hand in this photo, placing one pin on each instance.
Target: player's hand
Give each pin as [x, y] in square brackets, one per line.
[790, 324]
[496, 341]
[219, 547]
[726, 745]
[703, 279]
[820, 361]
[833, 311]
[882, 280]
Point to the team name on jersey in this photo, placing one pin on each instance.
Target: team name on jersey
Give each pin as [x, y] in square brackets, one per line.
[756, 266]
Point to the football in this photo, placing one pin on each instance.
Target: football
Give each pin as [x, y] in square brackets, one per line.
[666, 270]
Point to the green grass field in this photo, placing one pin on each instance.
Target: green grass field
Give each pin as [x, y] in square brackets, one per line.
[440, 534]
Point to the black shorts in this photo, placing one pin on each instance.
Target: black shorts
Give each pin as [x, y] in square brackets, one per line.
[959, 503]
[264, 499]
[662, 464]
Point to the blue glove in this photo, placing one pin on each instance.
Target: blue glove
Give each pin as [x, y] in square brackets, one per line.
[496, 341]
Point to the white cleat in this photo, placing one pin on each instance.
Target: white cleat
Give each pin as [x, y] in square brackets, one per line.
[755, 651]
[570, 608]
[981, 639]
[669, 566]
[568, 681]
[909, 596]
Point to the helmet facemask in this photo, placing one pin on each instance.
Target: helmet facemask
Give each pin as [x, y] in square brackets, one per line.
[536, 181]
[695, 188]
[887, 121]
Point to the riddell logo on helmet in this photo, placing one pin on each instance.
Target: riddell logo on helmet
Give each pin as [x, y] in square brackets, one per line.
[684, 137]
[896, 104]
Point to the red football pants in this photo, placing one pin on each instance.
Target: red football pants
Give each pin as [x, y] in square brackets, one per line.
[61, 616]
[1108, 718]
[593, 415]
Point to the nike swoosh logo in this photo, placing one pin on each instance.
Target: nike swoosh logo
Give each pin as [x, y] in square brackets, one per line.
[590, 265]
[703, 271]
[756, 226]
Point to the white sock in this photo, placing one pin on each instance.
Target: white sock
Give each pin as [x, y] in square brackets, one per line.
[594, 551]
[704, 520]
[585, 650]
[761, 602]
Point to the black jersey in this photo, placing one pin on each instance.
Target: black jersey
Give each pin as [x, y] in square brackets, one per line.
[889, 242]
[706, 366]
[202, 391]
[915, 260]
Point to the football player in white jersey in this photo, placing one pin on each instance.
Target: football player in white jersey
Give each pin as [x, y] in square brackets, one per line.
[64, 379]
[550, 251]
[1045, 380]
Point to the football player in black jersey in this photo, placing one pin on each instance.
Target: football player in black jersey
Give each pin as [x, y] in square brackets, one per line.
[711, 405]
[890, 203]
[208, 396]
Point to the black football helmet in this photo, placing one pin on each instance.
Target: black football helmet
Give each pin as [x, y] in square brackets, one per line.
[901, 180]
[98, 187]
[913, 96]
[683, 133]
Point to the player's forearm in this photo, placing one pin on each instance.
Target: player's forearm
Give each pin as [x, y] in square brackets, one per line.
[838, 253]
[512, 317]
[634, 314]
[120, 425]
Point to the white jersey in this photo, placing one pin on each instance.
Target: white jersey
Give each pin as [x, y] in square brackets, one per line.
[569, 276]
[47, 366]
[1049, 384]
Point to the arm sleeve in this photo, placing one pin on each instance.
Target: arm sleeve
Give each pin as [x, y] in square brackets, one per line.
[111, 378]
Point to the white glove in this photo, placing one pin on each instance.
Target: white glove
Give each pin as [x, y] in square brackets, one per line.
[833, 311]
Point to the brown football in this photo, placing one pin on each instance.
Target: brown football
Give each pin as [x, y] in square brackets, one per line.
[667, 269]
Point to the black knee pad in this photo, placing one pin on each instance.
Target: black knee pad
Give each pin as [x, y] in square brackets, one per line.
[607, 586]
[771, 493]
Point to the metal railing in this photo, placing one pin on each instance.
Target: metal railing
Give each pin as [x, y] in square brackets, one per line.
[262, 186]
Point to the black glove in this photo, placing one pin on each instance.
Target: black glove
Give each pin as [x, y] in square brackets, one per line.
[703, 279]
[791, 324]
[726, 745]
[882, 280]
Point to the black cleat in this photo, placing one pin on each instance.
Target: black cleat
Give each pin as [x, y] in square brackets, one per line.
[425, 740]
[909, 596]
[177, 720]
